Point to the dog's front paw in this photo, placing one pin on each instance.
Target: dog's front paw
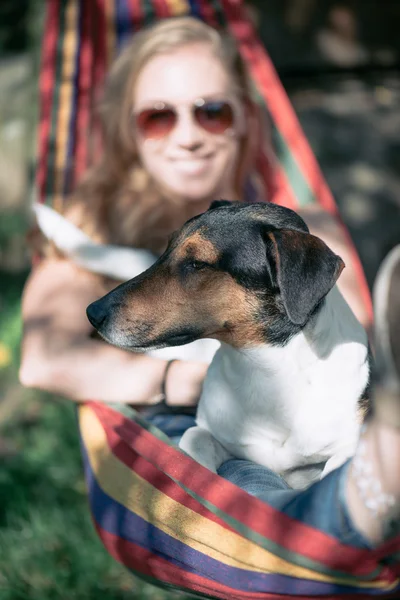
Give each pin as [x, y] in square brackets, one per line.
[203, 448]
[334, 462]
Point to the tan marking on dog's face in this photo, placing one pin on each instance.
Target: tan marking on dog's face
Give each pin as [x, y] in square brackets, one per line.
[208, 301]
[198, 248]
[239, 309]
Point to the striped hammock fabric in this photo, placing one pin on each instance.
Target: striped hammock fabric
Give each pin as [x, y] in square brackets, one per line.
[156, 511]
[175, 524]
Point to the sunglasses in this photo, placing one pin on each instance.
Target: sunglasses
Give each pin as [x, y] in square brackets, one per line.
[214, 116]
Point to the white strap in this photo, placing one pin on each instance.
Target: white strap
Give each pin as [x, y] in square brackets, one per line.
[113, 261]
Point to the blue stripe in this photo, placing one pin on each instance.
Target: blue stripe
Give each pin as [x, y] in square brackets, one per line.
[194, 9]
[123, 23]
[117, 520]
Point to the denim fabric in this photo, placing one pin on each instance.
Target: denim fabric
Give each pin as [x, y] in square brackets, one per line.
[322, 505]
[174, 426]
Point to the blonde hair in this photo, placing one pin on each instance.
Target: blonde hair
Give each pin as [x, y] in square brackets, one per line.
[117, 202]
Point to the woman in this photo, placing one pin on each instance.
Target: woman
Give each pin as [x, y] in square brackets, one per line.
[166, 156]
[180, 126]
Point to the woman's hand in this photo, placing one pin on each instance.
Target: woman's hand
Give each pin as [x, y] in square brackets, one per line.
[60, 356]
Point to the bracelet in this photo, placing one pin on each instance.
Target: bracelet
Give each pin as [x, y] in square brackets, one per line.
[368, 486]
[164, 381]
[161, 398]
[159, 404]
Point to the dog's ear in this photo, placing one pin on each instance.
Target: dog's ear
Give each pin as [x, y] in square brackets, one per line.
[219, 203]
[306, 269]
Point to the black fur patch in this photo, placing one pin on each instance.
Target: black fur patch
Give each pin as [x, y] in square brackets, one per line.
[290, 286]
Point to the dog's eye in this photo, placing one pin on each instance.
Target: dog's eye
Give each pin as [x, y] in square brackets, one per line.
[197, 265]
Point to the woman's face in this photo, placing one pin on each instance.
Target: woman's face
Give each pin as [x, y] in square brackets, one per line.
[188, 160]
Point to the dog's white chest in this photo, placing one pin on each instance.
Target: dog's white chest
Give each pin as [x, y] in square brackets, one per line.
[271, 422]
[287, 408]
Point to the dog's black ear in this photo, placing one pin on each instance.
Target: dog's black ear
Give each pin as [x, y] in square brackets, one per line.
[306, 269]
[219, 203]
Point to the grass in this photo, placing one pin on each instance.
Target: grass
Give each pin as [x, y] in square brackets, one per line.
[48, 546]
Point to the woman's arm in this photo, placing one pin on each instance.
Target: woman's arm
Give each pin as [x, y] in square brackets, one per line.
[59, 356]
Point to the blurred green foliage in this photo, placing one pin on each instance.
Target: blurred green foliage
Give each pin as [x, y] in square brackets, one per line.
[18, 25]
[48, 546]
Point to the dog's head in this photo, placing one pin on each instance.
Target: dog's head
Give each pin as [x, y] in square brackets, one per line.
[243, 274]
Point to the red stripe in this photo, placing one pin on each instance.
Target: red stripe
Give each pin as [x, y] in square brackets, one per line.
[284, 195]
[119, 532]
[277, 101]
[278, 190]
[46, 87]
[85, 90]
[255, 514]
[99, 29]
[159, 480]
[270, 171]
[148, 564]
[207, 13]
[390, 547]
[161, 9]
[136, 13]
[99, 35]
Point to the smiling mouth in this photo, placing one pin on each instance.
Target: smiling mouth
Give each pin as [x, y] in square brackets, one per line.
[193, 166]
[191, 158]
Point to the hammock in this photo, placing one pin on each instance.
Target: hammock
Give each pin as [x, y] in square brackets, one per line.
[163, 516]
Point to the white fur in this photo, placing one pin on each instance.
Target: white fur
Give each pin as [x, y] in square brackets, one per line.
[289, 408]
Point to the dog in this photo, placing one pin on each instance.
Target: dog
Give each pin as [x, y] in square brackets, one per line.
[286, 387]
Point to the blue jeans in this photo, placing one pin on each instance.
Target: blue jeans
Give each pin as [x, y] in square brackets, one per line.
[322, 505]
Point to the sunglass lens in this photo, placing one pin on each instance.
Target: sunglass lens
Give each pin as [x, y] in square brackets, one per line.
[155, 123]
[215, 117]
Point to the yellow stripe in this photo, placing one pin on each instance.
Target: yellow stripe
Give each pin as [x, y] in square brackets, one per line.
[70, 43]
[180, 522]
[178, 7]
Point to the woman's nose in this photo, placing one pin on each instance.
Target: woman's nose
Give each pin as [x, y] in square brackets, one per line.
[187, 132]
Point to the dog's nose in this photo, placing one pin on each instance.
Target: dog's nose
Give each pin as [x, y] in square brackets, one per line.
[96, 313]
